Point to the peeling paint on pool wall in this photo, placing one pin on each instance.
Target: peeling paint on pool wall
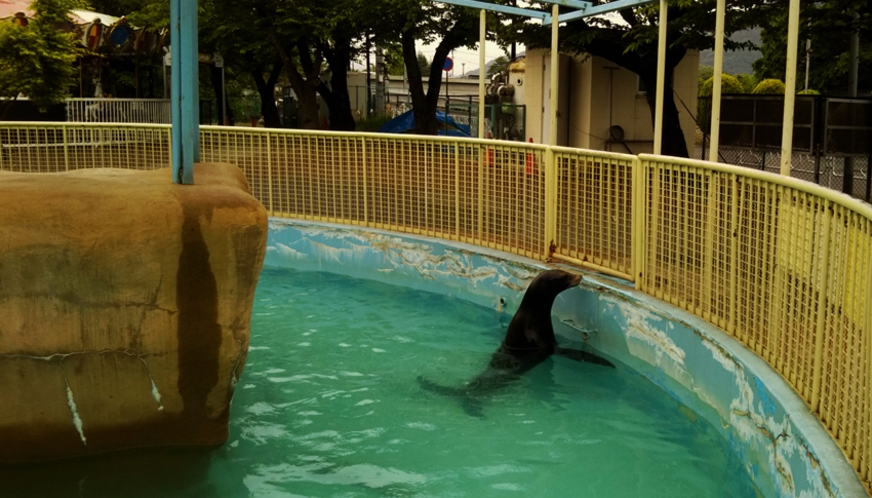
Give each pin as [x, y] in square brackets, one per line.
[784, 447]
[426, 264]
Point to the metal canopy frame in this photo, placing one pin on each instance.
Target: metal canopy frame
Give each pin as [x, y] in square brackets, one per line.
[586, 9]
[185, 89]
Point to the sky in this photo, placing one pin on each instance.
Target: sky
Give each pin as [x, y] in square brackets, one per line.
[469, 56]
[464, 58]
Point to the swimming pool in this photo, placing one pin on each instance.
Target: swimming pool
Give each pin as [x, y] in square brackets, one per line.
[273, 449]
[329, 406]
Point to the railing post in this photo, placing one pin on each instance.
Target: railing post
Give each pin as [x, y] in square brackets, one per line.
[365, 183]
[637, 231]
[480, 226]
[652, 224]
[732, 328]
[709, 251]
[820, 323]
[269, 172]
[550, 201]
[457, 231]
[66, 149]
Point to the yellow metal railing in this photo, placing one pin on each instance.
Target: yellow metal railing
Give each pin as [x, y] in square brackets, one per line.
[423, 185]
[782, 265]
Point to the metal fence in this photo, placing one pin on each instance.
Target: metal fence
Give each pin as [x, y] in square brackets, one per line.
[782, 265]
[832, 137]
[502, 121]
[112, 110]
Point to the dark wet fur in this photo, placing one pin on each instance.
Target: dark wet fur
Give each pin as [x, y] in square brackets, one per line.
[528, 342]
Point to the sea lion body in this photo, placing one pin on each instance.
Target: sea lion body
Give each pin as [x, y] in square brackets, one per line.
[529, 341]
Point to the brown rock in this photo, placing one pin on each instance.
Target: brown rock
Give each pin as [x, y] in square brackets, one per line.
[125, 303]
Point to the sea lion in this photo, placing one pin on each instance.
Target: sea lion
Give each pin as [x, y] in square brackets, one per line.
[528, 342]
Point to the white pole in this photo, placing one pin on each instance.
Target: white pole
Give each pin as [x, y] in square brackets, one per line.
[661, 79]
[789, 87]
[716, 87]
[555, 13]
[223, 100]
[807, 61]
[481, 72]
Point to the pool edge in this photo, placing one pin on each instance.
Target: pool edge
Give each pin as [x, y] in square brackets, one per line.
[805, 459]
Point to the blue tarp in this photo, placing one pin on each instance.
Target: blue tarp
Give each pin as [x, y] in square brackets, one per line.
[405, 123]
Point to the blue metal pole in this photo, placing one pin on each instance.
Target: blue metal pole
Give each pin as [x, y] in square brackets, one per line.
[185, 89]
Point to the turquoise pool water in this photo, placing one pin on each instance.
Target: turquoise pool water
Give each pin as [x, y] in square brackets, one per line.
[329, 406]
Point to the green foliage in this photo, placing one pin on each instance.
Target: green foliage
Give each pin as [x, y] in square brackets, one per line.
[729, 85]
[748, 81]
[394, 60]
[423, 63]
[828, 25]
[809, 92]
[498, 65]
[38, 60]
[769, 86]
[705, 72]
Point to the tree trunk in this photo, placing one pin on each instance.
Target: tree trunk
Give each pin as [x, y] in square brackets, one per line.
[307, 100]
[266, 89]
[423, 117]
[336, 97]
[673, 143]
[305, 84]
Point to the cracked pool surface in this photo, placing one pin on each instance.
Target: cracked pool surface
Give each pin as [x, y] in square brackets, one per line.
[328, 405]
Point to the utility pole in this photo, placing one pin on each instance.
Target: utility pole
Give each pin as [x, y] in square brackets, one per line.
[379, 80]
[853, 65]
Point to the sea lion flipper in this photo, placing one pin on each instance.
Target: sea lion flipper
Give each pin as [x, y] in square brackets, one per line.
[471, 406]
[574, 354]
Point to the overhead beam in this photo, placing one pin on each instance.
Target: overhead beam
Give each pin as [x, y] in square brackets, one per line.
[505, 9]
[575, 4]
[599, 9]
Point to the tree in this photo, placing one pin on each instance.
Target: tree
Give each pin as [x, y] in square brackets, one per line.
[498, 65]
[394, 60]
[38, 60]
[769, 87]
[423, 63]
[829, 26]
[410, 21]
[632, 43]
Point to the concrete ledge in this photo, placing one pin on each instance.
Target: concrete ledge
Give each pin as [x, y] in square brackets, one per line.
[125, 303]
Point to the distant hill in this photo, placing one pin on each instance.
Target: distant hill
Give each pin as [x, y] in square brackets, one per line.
[736, 61]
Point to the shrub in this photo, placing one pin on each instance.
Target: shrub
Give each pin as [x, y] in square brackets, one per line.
[748, 81]
[769, 87]
[729, 84]
[809, 92]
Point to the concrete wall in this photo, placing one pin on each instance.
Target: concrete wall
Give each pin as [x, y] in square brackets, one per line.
[786, 450]
[596, 94]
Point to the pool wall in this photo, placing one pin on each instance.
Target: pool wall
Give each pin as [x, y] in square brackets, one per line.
[786, 450]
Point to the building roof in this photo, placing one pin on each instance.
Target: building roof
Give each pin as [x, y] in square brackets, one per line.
[8, 9]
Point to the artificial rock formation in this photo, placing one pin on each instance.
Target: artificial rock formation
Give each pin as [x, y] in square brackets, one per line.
[125, 304]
